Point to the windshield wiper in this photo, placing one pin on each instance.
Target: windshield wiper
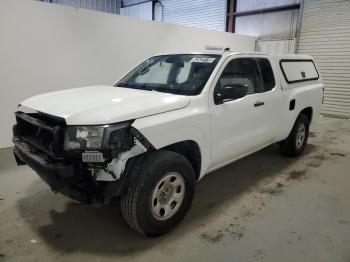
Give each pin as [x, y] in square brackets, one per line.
[140, 87]
[148, 88]
[168, 90]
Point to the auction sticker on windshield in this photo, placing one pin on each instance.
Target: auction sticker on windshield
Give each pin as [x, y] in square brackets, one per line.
[203, 60]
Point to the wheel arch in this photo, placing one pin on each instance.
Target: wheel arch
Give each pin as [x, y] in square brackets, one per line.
[190, 150]
[308, 111]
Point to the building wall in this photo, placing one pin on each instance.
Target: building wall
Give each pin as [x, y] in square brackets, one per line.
[142, 10]
[46, 47]
[276, 46]
[109, 6]
[206, 14]
[245, 5]
[277, 25]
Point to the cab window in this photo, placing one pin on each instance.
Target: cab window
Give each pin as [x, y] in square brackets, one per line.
[239, 78]
[267, 76]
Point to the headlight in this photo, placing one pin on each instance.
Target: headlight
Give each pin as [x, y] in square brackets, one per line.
[84, 137]
[114, 137]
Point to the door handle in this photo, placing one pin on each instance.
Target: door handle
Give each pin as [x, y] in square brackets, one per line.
[258, 103]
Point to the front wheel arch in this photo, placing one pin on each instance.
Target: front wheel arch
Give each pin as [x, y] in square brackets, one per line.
[191, 151]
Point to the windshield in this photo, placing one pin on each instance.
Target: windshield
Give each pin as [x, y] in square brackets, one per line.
[184, 74]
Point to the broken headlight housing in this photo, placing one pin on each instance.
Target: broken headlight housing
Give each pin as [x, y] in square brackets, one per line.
[84, 137]
[116, 137]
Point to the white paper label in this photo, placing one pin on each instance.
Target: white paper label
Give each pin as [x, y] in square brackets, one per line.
[203, 60]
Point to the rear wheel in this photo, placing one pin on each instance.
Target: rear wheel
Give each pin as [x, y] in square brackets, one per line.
[296, 142]
[160, 193]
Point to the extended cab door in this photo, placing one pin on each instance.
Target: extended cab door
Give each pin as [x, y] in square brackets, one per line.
[238, 125]
[270, 94]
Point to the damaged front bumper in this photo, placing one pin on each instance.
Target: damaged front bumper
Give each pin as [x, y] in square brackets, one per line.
[89, 176]
[69, 178]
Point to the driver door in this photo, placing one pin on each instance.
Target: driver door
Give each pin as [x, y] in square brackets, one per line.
[236, 128]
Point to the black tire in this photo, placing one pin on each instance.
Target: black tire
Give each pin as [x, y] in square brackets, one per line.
[136, 204]
[289, 146]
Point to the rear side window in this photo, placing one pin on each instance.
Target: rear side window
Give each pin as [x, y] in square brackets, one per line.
[298, 70]
[267, 76]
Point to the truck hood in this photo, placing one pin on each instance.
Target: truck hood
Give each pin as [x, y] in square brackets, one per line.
[100, 105]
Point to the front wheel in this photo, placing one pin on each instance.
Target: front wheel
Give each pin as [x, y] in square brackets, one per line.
[160, 193]
[296, 142]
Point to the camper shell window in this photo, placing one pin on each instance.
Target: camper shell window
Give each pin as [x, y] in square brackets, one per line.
[299, 70]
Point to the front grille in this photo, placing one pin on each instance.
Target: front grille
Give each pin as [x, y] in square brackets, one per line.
[41, 131]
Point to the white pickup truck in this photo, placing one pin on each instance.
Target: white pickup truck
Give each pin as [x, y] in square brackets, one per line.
[163, 126]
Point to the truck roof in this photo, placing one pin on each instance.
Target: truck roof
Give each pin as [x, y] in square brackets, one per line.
[252, 53]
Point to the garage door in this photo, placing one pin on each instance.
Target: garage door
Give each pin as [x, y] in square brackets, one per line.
[142, 10]
[207, 14]
[325, 34]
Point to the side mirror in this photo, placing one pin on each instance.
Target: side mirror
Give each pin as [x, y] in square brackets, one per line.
[230, 92]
